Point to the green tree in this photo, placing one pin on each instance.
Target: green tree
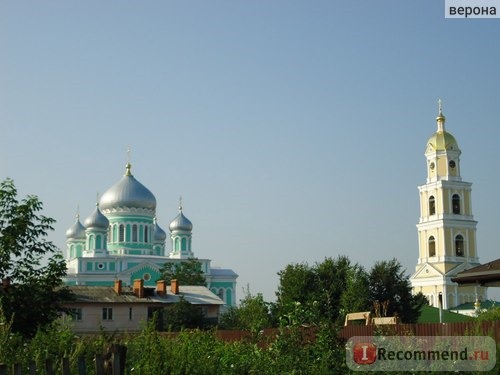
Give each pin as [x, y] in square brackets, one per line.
[252, 314]
[296, 285]
[389, 285]
[323, 292]
[187, 272]
[183, 315]
[491, 314]
[32, 265]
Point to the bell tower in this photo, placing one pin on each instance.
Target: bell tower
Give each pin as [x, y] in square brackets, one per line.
[446, 228]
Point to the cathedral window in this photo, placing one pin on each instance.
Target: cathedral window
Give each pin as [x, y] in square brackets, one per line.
[432, 246]
[134, 233]
[146, 234]
[220, 294]
[432, 205]
[121, 233]
[455, 202]
[183, 244]
[459, 246]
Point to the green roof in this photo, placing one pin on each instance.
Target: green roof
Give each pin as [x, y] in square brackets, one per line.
[488, 304]
[430, 314]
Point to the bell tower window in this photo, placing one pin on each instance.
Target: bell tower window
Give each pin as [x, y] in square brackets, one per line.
[432, 205]
[121, 233]
[432, 246]
[134, 233]
[459, 246]
[455, 203]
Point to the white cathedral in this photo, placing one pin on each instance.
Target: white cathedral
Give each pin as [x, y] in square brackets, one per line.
[446, 229]
[121, 240]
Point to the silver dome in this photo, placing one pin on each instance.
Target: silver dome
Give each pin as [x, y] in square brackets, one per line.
[129, 193]
[181, 223]
[160, 235]
[76, 231]
[96, 220]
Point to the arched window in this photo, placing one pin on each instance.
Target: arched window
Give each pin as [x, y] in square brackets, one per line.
[98, 241]
[459, 246]
[134, 233]
[146, 234]
[220, 294]
[432, 205]
[432, 246]
[121, 233]
[455, 203]
[183, 244]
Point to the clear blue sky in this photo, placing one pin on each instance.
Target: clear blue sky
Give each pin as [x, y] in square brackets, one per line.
[294, 130]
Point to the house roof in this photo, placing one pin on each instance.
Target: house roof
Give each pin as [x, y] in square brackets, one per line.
[196, 295]
[487, 274]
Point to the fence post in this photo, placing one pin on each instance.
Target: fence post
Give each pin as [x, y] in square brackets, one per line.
[32, 367]
[17, 369]
[49, 369]
[82, 369]
[119, 355]
[65, 366]
[99, 364]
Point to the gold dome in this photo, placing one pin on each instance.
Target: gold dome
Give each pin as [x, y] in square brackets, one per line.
[441, 140]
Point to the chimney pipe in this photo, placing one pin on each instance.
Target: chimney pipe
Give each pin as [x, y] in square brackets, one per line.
[174, 286]
[118, 287]
[139, 288]
[161, 288]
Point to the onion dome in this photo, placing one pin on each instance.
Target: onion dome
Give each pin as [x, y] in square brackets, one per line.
[441, 140]
[160, 235]
[96, 220]
[128, 193]
[76, 231]
[181, 222]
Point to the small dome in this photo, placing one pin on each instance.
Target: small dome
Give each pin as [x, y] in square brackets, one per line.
[77, 230]
[96, 220]
[160, 235]
[129, 193]
[181, 223]
[443, 141]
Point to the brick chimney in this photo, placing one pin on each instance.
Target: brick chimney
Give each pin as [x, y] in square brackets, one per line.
[139, 288]
[118, 287]
[174, 286]
[161, 287]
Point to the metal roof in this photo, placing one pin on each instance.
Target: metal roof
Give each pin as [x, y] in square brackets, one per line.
[487, 274]
[196, 295]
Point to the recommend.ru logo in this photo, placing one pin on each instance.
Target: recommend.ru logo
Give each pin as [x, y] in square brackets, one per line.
[421, 353]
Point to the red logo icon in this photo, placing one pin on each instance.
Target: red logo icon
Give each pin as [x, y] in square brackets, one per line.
[364, 353]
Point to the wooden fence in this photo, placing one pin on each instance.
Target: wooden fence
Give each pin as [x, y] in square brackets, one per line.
[112, 363]
[426, 329]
